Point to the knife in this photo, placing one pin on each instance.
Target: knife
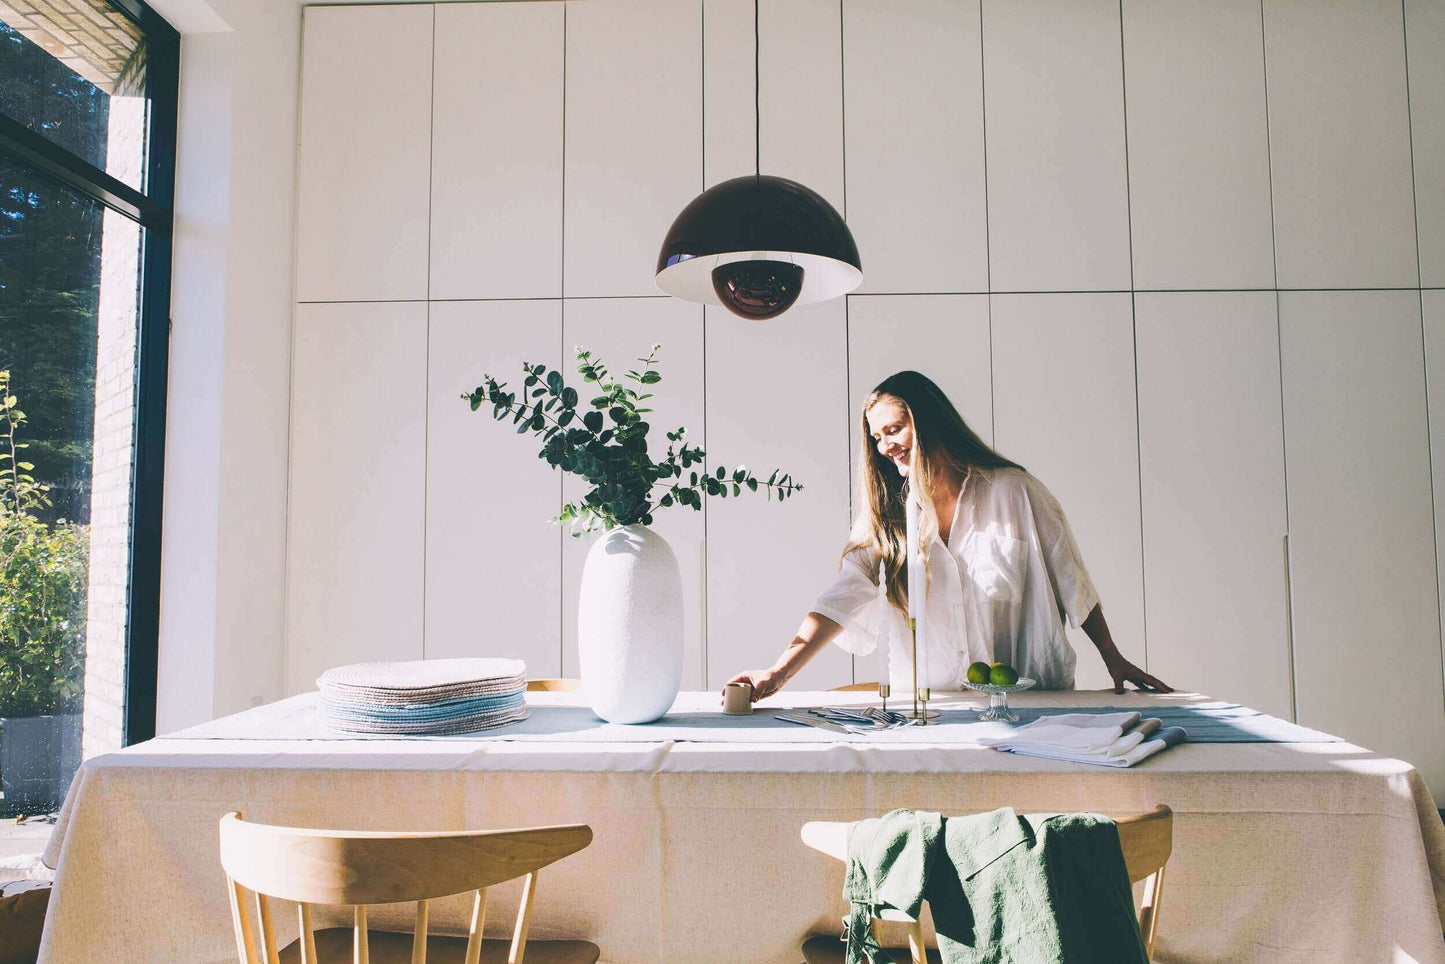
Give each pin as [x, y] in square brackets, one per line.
[808, 719]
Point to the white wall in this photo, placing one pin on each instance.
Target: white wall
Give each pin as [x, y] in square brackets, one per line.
[222, 570]
[1121, 199]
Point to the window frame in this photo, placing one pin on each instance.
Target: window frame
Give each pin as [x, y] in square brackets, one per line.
[153, 209]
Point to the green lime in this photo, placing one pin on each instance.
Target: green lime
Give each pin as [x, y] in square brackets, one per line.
[1001, 674]
[978, 673]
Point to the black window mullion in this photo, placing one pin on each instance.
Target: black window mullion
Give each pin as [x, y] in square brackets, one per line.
[153, 351]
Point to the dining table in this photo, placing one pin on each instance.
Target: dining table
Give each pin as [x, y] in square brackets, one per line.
[1288, 844]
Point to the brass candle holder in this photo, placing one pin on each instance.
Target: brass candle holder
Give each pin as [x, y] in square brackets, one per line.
[923, 694]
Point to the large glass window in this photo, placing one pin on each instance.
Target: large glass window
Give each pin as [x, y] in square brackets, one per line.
[87, 114]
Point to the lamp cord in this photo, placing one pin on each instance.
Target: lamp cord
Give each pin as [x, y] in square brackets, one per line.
[757, 99]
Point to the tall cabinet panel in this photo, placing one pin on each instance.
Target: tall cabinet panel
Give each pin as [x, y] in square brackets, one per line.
[1058, 204]
[1366, 618]
[1433, 303]
[1198, 144]
[1211, 456]
[1064, 408]
[890, 333]
[1425, 43]
[619, 331]
[777, 397]
[799, 62]
[1340, 143]
[493, 563]
[633, 138]
[913, 80]
[365, 134]
[496, 175]
[355, 528]
[728, 66]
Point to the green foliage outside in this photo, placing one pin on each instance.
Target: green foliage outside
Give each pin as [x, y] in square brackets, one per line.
[43, 575]
[607, 445]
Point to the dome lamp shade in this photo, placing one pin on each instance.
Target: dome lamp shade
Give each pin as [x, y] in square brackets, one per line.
[758, 245]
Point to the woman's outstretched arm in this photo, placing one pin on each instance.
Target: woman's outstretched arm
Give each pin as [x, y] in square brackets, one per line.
[1119, 668]
[815, 633]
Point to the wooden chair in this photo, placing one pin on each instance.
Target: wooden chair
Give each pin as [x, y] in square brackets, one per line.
[1146, 839]
[553, 685]
[856, 688]
[366, 867]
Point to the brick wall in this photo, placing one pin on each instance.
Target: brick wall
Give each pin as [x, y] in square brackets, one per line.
[103, 727]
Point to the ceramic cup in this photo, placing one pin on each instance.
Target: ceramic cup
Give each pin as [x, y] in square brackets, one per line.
[738, 699]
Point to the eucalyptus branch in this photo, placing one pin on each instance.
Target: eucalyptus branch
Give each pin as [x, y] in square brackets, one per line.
[613, 457]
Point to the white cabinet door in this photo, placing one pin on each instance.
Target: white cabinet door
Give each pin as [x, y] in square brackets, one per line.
[361, 209]
[619, 331]
[1433, 304]
[913, 80]
[1058, 205]
[1425, 42]
[1339, 132]
[1064, 408]
[777, 397]
[493, 562]
[1364, 590]
[633, 138]
[800, 63]
[728, 63]
[358, 449]
[1198, 144]
[496, 176]
[1211, 457]
[945, 337]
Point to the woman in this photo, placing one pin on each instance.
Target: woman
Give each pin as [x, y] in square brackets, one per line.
[1003, 567]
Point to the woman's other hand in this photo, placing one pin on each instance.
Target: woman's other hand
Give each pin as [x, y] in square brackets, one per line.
[765, 682]
[1124, 671]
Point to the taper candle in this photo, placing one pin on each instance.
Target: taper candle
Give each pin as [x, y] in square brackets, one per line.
[917, 586]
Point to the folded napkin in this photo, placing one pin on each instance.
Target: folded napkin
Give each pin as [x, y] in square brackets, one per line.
[1084, 732]
[1112, 739]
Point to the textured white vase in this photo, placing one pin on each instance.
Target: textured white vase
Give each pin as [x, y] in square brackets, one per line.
[629, 625]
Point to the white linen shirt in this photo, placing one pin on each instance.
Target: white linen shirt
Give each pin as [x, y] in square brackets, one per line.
[998, 591]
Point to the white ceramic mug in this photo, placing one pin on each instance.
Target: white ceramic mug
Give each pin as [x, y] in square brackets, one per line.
[738, 699]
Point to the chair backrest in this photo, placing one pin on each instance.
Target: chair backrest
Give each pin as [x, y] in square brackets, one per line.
[553, 685]
[1147, 841]
[370, 867]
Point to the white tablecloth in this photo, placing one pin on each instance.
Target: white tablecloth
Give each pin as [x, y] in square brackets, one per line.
[1282, 852]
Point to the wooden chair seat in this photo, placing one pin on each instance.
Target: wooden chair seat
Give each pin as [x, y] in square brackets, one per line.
[334, 946]
[820, 949]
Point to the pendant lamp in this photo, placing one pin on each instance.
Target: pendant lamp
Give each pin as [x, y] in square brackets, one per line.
[758, 244]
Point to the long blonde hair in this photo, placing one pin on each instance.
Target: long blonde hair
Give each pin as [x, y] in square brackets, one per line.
[941, 439]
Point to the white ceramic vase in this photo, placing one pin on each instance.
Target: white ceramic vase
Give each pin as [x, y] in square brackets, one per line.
[629, 625]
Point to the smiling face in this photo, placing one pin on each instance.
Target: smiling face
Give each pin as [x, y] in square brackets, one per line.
[892, 434]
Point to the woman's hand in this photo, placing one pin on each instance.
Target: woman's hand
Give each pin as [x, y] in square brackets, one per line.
[765, 682]
[1124, 671]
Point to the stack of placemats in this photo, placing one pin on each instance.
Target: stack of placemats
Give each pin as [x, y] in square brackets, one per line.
[432, 697]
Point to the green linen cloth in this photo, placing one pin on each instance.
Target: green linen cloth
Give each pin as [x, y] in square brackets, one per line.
[1002, 887]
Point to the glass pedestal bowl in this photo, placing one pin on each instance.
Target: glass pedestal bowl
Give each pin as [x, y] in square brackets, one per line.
[998, 708]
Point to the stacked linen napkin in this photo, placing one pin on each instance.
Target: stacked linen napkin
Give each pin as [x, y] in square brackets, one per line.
[1105, 739]
[424, 697]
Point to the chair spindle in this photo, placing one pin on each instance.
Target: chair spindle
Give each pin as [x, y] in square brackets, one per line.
[269, 951]
[307, 944]
[917, 949]
[474, 935]
[524, 919]
[361, 941]
[418, 940]
[245, 936]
